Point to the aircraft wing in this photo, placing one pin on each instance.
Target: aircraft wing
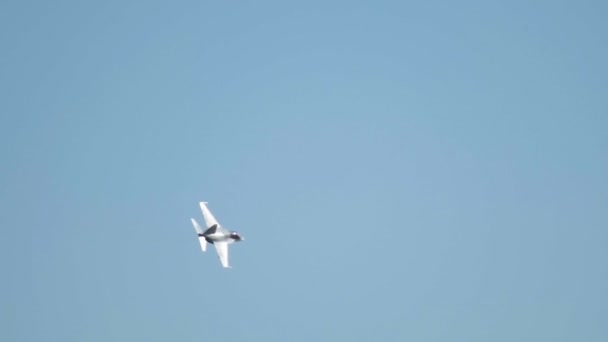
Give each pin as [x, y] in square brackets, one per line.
[222, 251]
[209, 219]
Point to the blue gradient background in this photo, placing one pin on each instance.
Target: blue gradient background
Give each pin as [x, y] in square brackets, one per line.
[401, 171]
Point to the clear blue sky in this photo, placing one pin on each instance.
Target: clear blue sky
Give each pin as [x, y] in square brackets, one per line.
[401, 171]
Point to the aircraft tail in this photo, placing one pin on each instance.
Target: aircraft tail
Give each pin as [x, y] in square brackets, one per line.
[199, 232]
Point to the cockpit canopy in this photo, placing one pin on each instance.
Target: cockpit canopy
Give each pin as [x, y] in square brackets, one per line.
[236, 236]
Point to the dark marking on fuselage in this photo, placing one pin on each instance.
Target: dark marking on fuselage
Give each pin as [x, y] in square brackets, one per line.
[206, 238]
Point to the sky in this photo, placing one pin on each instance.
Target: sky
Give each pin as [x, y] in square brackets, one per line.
[401, 171]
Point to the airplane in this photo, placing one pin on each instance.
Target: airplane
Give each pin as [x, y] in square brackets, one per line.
[215, 234]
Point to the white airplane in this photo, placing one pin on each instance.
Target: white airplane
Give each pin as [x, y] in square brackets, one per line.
[215, 234]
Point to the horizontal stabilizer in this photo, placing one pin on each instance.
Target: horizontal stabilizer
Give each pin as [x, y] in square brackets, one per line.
[199, 232]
